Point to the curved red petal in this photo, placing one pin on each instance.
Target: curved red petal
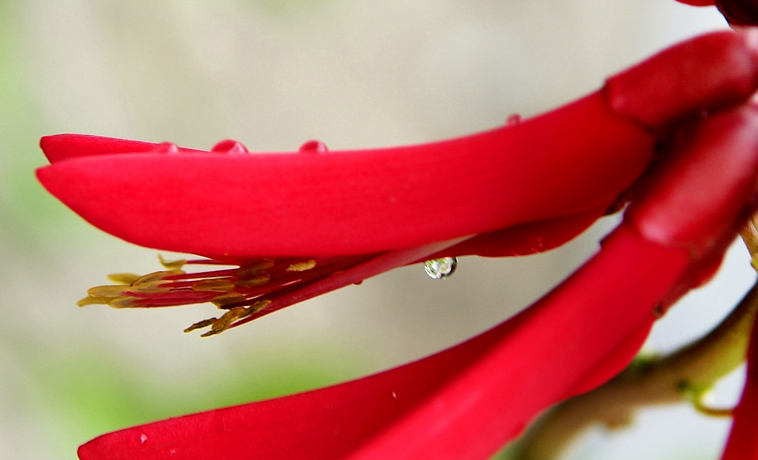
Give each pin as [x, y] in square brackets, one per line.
[525, 239]
[358, 201]
[66, 146]
[698, 194]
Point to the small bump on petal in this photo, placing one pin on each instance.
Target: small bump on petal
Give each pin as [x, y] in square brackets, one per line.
[166, 147]
[230, 147]
[313, 147]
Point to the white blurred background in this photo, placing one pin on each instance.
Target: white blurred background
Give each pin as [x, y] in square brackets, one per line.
[272, 74]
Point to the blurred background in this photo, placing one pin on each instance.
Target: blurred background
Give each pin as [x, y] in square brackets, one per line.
[272, 74]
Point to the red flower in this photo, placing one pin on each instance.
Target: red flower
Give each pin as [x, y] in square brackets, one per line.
[279, 216]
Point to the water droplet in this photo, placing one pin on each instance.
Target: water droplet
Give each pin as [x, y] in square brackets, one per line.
[394, 395]
[438, 269]
[230, 147]
[143, 438]
[513, 119]
[166, 147]
[313, 147]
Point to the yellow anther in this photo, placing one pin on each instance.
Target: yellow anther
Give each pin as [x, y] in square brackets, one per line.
[225, 321]
[94, 301]
[107, 292]
[155, 276]
[228, 299]
[302, 266]
[256, 268]
[255, 281]
[200, 324]
[151, 287]
[172, 264]
[213, 286]
[123, 278]
[259, 305]
[125, 302]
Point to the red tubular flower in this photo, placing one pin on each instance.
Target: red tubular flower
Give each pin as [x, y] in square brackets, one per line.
[369, 211]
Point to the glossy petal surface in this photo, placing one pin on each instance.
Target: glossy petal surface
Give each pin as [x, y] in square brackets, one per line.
[355, 202]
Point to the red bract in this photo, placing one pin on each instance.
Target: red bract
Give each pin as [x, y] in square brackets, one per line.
[552, 174]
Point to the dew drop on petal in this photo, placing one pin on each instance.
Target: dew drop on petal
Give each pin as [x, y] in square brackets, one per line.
[230, 147]
[513, 119]
[313, 147]
[166, 147]
[438, 269]
[143, 438]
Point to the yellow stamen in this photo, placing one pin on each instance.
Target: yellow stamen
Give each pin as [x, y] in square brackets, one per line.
[107, 292]
[200, 325]
[124, 302]
[222, 323]
[213, 286]
[230, 298]
[302, 266]
[255, 281]
[171, 264]
[94, 301]
[259, 267]
[123, 278]
[155, 276]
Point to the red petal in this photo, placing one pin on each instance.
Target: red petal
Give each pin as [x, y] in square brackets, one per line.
[564, 163]
[525, 239]
[358, 201]
[65, 146]
[702, 193]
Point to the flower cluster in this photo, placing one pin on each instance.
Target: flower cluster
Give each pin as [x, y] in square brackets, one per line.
[295, 225]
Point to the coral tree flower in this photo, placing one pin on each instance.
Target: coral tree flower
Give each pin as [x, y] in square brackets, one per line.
[522, 188]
